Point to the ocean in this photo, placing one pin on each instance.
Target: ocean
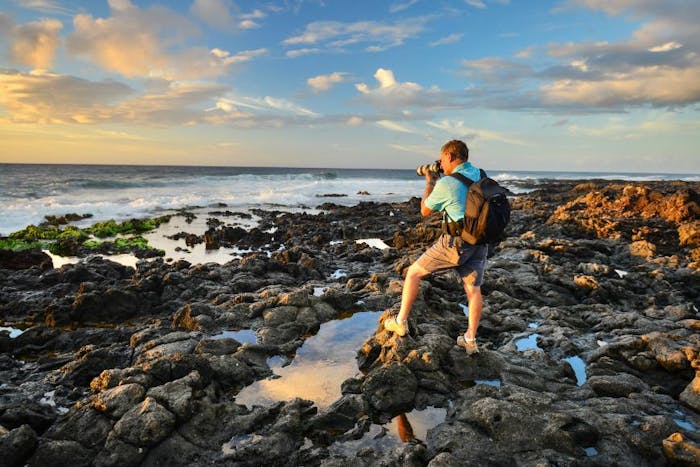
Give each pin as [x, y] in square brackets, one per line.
[28, 192]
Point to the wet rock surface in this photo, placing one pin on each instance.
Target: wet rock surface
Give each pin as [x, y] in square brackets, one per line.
[590, 347]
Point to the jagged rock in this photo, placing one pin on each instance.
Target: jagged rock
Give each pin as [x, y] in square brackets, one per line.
[25, 259]
[145, 424]
[116, 401]
[59, 453]
[681, 451]
[391, 388]
[17, 445]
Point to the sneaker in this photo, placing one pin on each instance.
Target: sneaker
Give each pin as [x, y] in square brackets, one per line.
[394, 325]
[468, 344]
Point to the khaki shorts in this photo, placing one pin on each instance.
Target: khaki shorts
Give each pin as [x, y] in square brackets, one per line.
[448, 252]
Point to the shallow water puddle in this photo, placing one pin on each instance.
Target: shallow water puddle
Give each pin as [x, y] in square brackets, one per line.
[682, 421]
[319, 291]
[579, 367]
[339, 273]
[319, 367]
[244, 336]
[373, 242]
[405, 428]
[123, 259]
[590, 452]
[14, 332]
[533, 325]
[528, 343]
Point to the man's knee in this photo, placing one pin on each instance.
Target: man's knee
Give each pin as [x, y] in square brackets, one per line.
[416, 271]
[473, 291]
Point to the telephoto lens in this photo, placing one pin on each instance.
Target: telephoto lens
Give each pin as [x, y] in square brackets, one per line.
[434, 168]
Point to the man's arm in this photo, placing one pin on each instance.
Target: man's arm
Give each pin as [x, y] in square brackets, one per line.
[430, 180]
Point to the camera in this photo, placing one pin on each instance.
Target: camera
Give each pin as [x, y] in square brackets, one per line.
[434, 168]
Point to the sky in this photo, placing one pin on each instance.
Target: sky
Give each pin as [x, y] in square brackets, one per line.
[565, 85]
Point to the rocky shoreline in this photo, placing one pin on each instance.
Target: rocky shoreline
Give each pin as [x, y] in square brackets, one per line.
[590, 342]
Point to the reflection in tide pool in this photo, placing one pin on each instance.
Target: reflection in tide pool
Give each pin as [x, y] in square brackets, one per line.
[14, 332]
[244, 336]
[320, 366]
[579, 368]
[528, 343]
[405, 428]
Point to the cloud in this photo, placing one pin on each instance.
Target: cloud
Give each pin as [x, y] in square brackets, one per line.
[416, 149]
[397, 7]
[450, 39]
[354, 121]
[373, 35]
[301, 52]
[459, 130]
[393, 126]
[148, 43]
[213, 12]
[33, 44]
[45, 6]
[657, 65]
[391, 94]
[43, 97]
[475, 3]
[325, 82]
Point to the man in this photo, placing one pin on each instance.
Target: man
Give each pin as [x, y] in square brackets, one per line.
[449, 195]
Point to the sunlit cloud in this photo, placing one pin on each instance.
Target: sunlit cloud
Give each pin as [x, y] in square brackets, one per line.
[325, 82]
[148, 43]
[393, 94]
[354, 121]
[42, 97]
[33, 44]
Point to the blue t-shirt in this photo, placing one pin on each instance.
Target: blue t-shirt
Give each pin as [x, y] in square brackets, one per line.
[450, 195]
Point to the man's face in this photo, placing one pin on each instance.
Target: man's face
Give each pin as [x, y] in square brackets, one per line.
[445, 160]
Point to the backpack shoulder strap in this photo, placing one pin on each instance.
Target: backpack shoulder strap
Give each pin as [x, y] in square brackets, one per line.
[462, 178]
[482, 173]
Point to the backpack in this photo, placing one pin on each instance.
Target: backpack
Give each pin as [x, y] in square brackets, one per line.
[486, 212]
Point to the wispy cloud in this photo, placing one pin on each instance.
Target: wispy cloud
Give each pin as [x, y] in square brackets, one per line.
[301, 52]
[457, 128]
[394, 126]
[44, 6]
[415, 149]
[475, 3]
[325, 82]
[450, 39]
[372, 35]
[401, 6]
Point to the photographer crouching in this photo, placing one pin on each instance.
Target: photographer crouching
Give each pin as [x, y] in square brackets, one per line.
[449, 252]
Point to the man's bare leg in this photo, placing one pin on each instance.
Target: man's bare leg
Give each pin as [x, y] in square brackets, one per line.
[410, 289]
[476, 303]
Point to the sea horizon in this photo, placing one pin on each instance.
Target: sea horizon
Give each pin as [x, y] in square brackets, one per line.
[296, 168]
